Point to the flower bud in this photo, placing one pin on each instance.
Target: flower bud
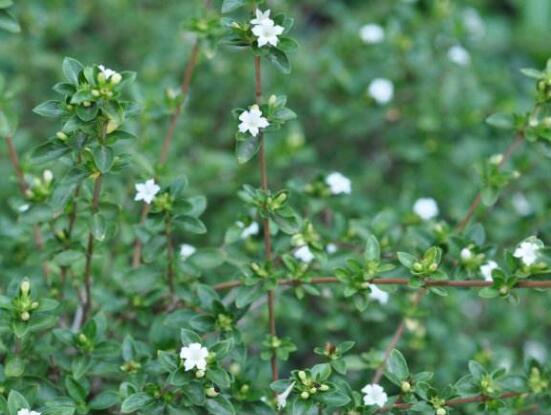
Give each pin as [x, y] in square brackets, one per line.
[441, 411]
[25, 316]
[304, 395]
[25, 287]
[272, 100]
[200, 374]
[313, 390]
[116, 78]
[101, 77]
[302, 375]
[48, 176]
[503, 290]
[496, 159]
[95, 93]
[86, 104]
[417, 266]
[433, 266]
[211, 392]
[324, 388]
[34, 305]
[406, 387]
[61, 135]
[111, 126]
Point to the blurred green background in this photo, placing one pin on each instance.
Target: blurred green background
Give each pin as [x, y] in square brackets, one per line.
[426, 142]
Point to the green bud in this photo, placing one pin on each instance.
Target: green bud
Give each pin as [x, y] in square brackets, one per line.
[211, 392]
[324, 388]
[25, 316]
[304, 395]
[95, 93]
[34, 305]
[200, 374]
[441, 411]
[61, 135]
[433, 266]
[116, 78]
[302, 375]
[504, 290]
[406, 387]
[313, 390]
[25, 287]
[86, 104]
[417, 266]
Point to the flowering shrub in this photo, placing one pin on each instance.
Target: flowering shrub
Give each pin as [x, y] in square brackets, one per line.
[250, 286]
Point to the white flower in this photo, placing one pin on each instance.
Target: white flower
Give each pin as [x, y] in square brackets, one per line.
[108, 73]
[338, 183]
[47, 175]
[381, 90]
[282, 397]
[372, 33]
[147, 191]
[252, 121]
[378, 295]
[304, 254]
[527, 251]
[459, 55]
[426, 208]
[374, 395]
[262, 18]
[486, 270]
[331, 248]
[522, 205]
[466, 254]
[27, 412]
[186, 251]
[535, 350]
[250, 230]
[194, 355]
[267, 33]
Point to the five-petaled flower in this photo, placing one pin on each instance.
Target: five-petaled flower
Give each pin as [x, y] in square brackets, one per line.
[459, 55]
[338, 183]
[109, 74]
[147, 191]
[487, 268]
[267, 31]
[252, 121]
[377, 294]
[281, 399]
[262, 18]
[527, 252]
[374, 395]
[194, 355]
[25, 411]
[426, 208]
[250, 230]
[304, 254]
[186, 251]
[381, 90]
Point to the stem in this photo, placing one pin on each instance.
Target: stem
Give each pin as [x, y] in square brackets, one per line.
[266, 221]
[87, 306]
[169, 255]
[167, 141]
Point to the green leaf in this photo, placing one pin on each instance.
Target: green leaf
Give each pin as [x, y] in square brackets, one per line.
[372, 249]
[246, 295]
[136, 402]
[16, 401]
[334, 398]
[48, 152]
[8, 22]
[219, 406]
[187, 337]
[280, 60]
[98, 226]
[191, 224]
[14, 367]
[397, 365]
[75, 390]
[67, 258]
[4, 4]
[50, 109]
[71, 69]
[219, 377]
[246, 150]
[501, 120]
[104, 400]
[407, 260]
[476, 369]
[103, 158]
[231, 5]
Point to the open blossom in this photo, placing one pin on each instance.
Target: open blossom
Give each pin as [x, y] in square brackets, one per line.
[186, 251]
[27, 412]
[381, 90]
[522, 205]
[426, 208]
[527, 252]
[486, 270]
[377, 294]
[331, 248]
[372, 33]
[338, 183]
[374, 395]
[147, 191]
[459, 55]
[110, 75]
[194, 355]
[466, 254]
[252, 121]
[304, 254]
[262, 18]
[250, 230]
[267, 33]
[281, 399]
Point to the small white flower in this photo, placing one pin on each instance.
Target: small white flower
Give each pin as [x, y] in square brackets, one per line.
[282, 397]
[522, 205]
[262, 18]
[374, 395]
[331, 248]
[252, 121]
[108, 73]
[535, 350]
[372, 33]
[267, 33]
[466, 254]
[48, 176]
[147, 191]
[304, 254]
[378, 295]
[27, 412]
[527, 252]
[250, 230]
[338, 183]
[459, 55]
[23, 208]
[486, 270]
[381, 90]
[186, 251]
[194, 355]
[426, 208]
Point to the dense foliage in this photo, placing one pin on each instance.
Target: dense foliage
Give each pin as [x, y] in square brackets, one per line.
[264, 201]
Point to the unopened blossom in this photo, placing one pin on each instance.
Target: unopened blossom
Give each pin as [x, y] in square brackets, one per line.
[521, 205]
[338, 183]
[147, 191]
[304, 254]
[27, 412]
[47, 175]
[331, 248]
[267, 33]
[194, 355]
[378, 295]
[459, 55]
[252, 121]
[374, 395]
[466, 254]
[262, 18]
[186, 251]
[486, 270]
[281, 399]
[426, 208]
[250, 230]
[372, 33]
[381, 90]
[109, 74]
[527, 252]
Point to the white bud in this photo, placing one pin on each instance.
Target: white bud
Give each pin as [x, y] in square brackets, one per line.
[48, 176]
[25, 287]
[115, 78]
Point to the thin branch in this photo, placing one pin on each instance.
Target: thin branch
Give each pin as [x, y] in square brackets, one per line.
[169, 255]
